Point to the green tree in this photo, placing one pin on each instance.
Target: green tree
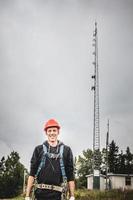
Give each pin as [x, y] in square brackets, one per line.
[84, 167]
[2, 165]
[11, 176]
[121, 163]
[104, 161]
[113, 157]
[128, 161]
[97, 156]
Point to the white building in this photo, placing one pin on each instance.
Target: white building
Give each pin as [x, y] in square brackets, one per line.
[90, 182]
[114, 181]
[120, 181]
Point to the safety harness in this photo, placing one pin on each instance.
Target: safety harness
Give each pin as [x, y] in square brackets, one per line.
[46, 153]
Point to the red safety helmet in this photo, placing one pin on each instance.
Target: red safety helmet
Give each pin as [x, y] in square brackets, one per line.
[51, 123]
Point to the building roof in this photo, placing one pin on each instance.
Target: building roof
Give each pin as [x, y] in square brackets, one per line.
[111, 174]
[101, 175]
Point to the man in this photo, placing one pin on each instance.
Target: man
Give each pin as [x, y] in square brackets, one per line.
[52, 167]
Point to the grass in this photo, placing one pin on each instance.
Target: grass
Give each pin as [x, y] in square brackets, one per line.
[18, 198]
[98, 195]
[103, 195]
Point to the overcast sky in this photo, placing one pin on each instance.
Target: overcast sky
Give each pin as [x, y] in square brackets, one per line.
[46, 68]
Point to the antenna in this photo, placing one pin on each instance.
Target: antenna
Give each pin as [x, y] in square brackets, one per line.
[96, 126]
[107, 145]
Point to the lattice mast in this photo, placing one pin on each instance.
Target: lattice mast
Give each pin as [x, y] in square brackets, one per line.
[95, 88]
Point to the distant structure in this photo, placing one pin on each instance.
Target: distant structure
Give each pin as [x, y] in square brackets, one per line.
[96, 126]
[107, 149]
[97, 180]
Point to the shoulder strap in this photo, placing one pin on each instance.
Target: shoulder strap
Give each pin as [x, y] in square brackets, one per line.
[42, 163]
[62, 164]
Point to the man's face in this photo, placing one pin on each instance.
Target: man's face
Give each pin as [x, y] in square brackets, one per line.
[52, 134]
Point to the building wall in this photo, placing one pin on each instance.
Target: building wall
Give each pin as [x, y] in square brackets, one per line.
[119, 182]
[90, 183]
[116, 182]
[102, 183]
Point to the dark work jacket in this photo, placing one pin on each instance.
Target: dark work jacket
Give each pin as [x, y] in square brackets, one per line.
[51, 173]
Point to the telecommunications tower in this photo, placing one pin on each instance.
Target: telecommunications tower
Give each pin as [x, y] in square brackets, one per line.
[96, 125]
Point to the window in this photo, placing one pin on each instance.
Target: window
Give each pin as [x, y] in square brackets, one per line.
[127, 180]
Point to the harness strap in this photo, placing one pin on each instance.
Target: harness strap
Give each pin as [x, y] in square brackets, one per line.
[42, 163]
[62, 164]
[50, 187]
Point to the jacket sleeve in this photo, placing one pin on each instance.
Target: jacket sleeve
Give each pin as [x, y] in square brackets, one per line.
[69, 164]
[34, 162]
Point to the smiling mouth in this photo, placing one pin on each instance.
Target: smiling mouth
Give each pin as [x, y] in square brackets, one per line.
[52, 136]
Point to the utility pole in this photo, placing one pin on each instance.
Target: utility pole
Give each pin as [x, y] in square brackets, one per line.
[24, 180]
[107, 145]
[96, 125]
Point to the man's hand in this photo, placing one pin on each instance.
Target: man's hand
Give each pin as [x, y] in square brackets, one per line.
[27, 198]
[71, 198]
[71, 185]
[29, 187]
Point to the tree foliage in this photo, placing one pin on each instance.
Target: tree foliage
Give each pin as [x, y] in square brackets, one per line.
[128, 161]
[113, 157]
[84, 167]
[11, 176]
[118, 162]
